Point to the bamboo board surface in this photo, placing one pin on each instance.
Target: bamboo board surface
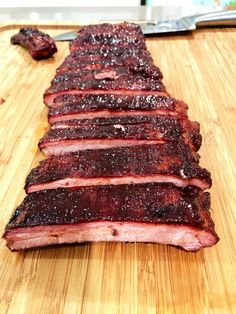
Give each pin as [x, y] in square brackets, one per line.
[123, 277]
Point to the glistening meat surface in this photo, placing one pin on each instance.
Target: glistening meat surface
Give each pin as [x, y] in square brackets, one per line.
[39, 44]
[137, 164]
[102, 51]
[81, 106]
[159, 213]
[141, 63]
[121, 35]
[125, 168]
[50, 98]
[107, 61]
[100, 80]
[68, 136]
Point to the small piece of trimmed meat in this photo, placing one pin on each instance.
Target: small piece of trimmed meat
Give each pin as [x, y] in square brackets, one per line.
[39, 44]
[158, 213]
[73, 135]
[127, 165]
[88, 106]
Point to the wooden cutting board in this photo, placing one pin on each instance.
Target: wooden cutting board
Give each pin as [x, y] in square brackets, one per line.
[120, 277]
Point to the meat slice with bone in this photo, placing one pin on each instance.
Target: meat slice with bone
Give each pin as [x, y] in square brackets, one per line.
[158, 213]
[39, 44]
[137, 164]
[73, 135]
[88, 106]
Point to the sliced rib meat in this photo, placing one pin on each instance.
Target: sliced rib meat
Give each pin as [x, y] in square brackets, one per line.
[50, 98]
[72, 135]
[88, 106]
[97, 80]
[123, 63]
[137, 164]
[98, 65]
[146, 186]
[122, 35]
[39, 44]
[120, 101]
[120, 29]
[97, 52]
[158, 213]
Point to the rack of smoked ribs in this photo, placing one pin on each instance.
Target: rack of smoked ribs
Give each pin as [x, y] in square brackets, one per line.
[121, 154]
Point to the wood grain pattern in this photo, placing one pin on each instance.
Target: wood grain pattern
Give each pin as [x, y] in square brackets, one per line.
[118, 277]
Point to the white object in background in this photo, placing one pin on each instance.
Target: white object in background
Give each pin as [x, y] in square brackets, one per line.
[180, 8]
[181, 3]
[67, 3]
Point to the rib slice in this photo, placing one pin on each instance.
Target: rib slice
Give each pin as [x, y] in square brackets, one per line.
[107, 62]
[126, 62]
[127, 71]
[88, 106]
[137, 164]
[100, 80]
[104, 52]
[49, 97]
[72, 135]
[121, 35]
[158, 213]
[39, 44]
